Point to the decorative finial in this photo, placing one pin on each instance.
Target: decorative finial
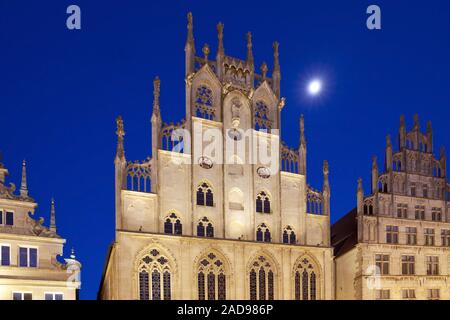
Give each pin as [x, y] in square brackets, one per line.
[429, 126]
[249, 48]
[402, 120]
[205, 51]
[53, 217]
[264, 70]
[388, 140]
[190, 27]
[23, 184]
[1, 160]
[442, 152]
[72, 254]
[360, 184]
[302, 130]
[120, 134]
[325, 168]
[220, 27]
[276, 61]
[416, 121]
[374, 161]
[156, 94]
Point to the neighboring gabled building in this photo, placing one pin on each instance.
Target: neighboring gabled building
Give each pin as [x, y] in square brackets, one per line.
[29, 251]
[396, 243]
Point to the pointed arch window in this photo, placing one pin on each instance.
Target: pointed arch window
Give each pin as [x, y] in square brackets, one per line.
[204, 107]
[263, 233]
[173, 225]
[261, 117]
[205, 195]
[205, 228]
[305, 281]
[262, 203]
[289, 236]
[262, 280]
[154, 277]
[211, 278]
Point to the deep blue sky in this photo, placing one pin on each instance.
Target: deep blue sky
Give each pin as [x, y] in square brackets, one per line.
[61, 90]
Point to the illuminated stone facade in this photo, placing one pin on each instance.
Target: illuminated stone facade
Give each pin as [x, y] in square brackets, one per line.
[396, 243]
[189, 226]
[29, 251]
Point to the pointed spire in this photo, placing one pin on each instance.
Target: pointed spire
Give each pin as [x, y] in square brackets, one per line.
[402, 132]
[302, 148]
[388, 159]
[205, 51]
[120, 138]
[250, 58]
[220, 48]
[23, 184]
[443, 156]
[53, 217]
[302, 130]
[189, 48]
[190, 27]
[156, 94]
[360, 196]
[276, 60]
[388, 141]
[264, 70]
[325, 169]
[374, 174]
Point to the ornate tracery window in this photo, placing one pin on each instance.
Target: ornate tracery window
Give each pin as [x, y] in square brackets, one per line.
[205, 228]
[154, 277]
[263, 233]
[262, 203]
[262, 280]
[205, 196]
[204, 107]
[173, 225]
[289, 236]
[314, 202]
[261, 116]
[305, 280]
[211, 278]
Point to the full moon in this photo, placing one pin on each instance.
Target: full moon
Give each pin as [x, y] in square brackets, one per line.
[314, 87]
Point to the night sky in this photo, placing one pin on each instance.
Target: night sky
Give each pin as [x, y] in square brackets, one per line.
[61, 91]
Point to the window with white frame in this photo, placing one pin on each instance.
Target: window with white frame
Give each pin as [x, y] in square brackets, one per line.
[408, 265]
[383, 294]
[445, 238]
[429, 237]
[391, 234]
[436, 214]
[408, 294]
[53, 296]
[402, 210]
[5, 255]
[411, 235]
[382, 264]
[6, 218]
[22, 296]
[434, 294]
[28, 257]
[432, 265]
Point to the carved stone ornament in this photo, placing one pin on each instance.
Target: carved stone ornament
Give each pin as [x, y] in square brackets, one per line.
[205, 162]
[264, 172]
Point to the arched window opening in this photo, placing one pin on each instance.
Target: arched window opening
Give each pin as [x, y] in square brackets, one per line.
[289, 236]
[262, 280]
[305, 281]
[263, 233]
[205, 228]
[204, 107]
[205, 196]
[314, 204]
[172, 225]
[262, 203]
[154, 277]
[214, 288]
